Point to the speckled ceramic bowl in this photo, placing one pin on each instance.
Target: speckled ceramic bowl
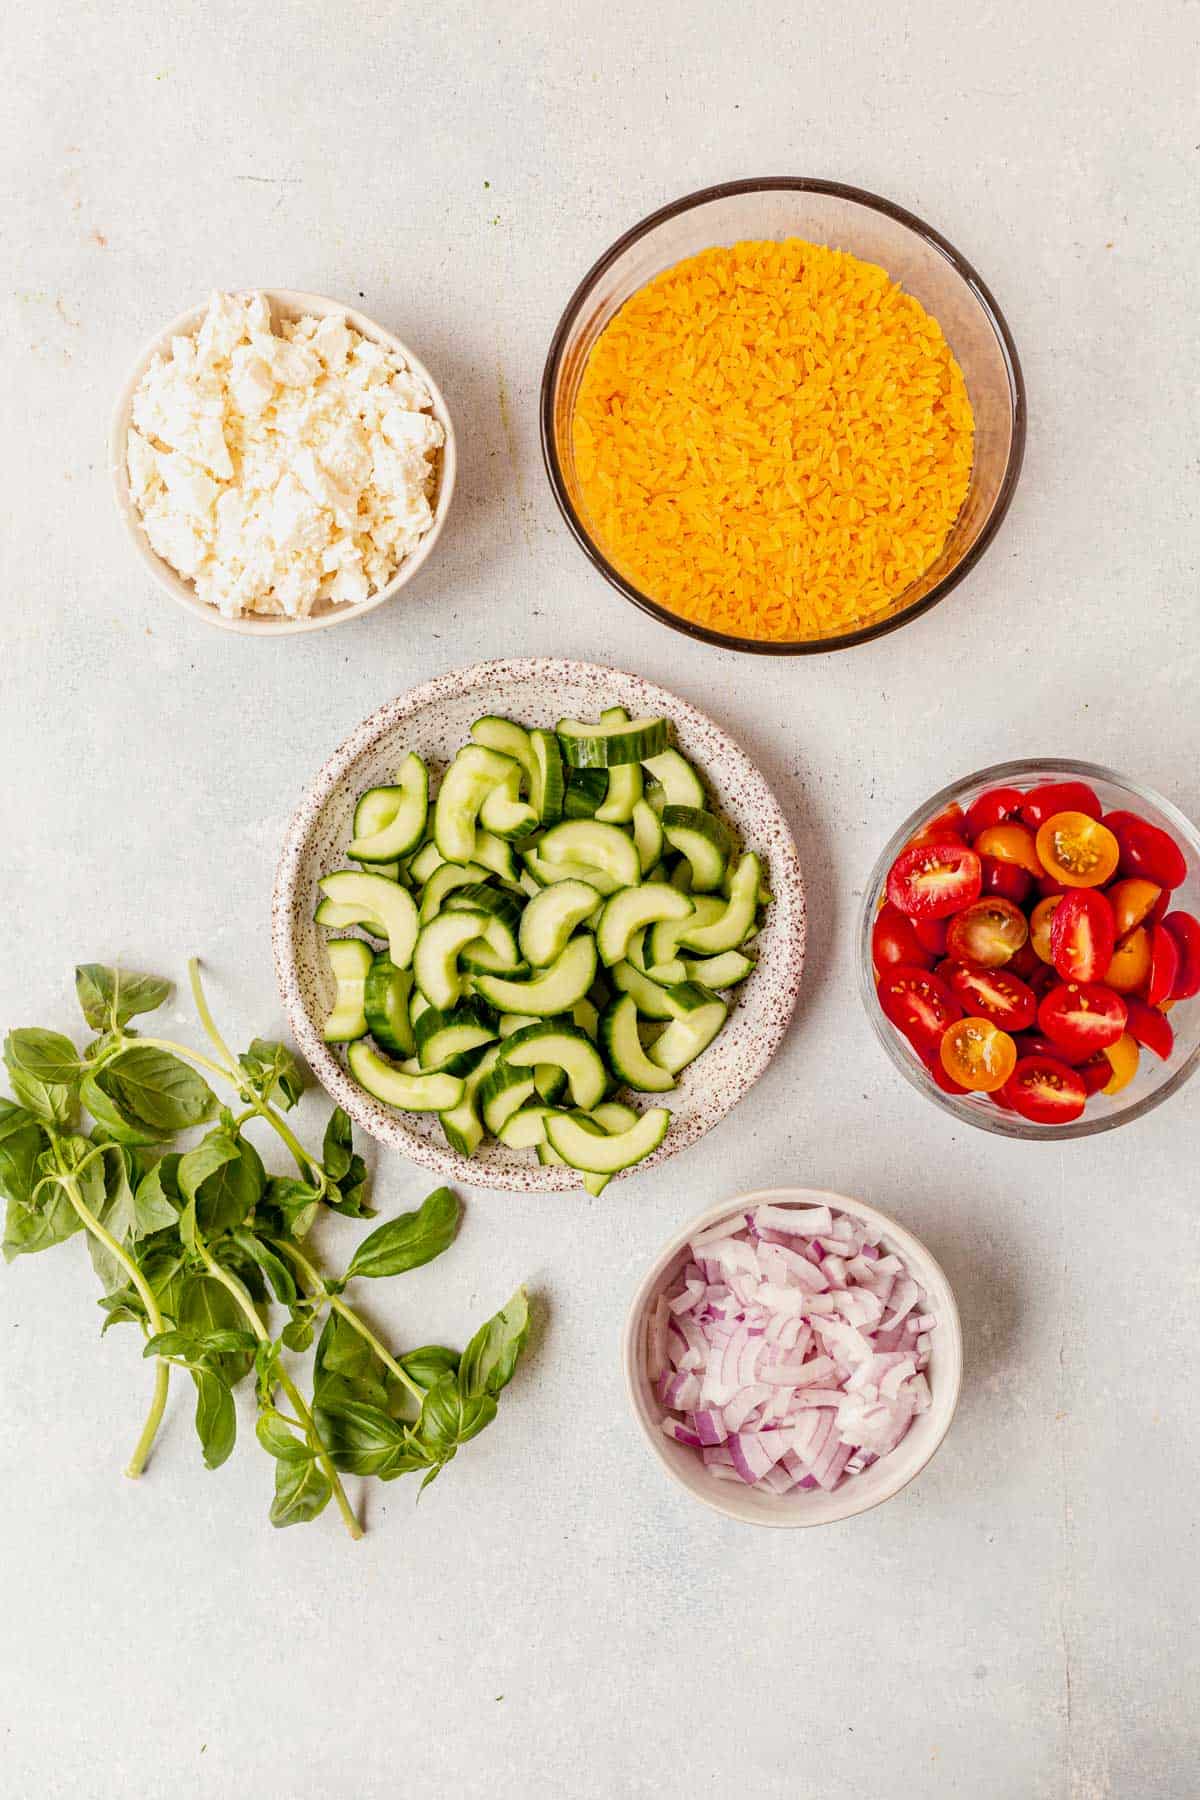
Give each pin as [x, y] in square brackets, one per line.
[435, 720]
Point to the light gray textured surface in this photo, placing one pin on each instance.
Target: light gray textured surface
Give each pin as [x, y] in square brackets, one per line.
[554, 1618]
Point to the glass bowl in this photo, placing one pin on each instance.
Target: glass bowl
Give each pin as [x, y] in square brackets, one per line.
[873, 229]
[1154, 1080]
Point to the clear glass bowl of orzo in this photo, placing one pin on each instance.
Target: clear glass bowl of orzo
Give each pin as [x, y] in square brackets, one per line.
[783, 416]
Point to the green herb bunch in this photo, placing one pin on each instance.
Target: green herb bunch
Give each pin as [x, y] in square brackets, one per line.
[195, 1246]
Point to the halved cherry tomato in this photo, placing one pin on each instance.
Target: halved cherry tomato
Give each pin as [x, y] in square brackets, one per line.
[949, 823]
[1077, 850]
[1011, 844]
[933, 1062]
[1149, 1027]
[1024, 961]
[1095, 1073]
[992, 994]
[988, 932]
[1041, 921]
[1146, 850]
[931, 935]
[1129, 970]
[1045, 1090]
[1186, 932]
[1036, 1043]
[1048, 887]
[1041, 803]
[918, 1004]
[1007, 879]
[1082, 1016]
[1082, 936]
[992, 808]
[1164, 966]
[1122, 1058]
[978, 1055]
[893, 940]
[931, 881]
[1042, 979]
[1132, 902]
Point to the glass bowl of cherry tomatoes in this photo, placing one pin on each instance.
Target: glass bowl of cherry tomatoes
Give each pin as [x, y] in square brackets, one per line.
[1030, 949]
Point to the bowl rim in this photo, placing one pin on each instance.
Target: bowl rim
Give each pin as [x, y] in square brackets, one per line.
[288, 302]
[784, 867]
[969, 275]
[917, 1256]
[995, 1120]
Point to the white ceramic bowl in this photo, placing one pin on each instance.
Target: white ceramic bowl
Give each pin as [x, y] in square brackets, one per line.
[285, 303]
[435, 720]
[811, 1506]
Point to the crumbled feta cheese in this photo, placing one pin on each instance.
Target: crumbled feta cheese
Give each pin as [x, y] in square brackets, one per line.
[277, 468]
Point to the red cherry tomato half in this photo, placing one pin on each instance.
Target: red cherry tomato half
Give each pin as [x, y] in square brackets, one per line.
[893, 940]
[1036, 1043]
[1008, 879]
[919, 1004]
[931, 881]
[1082, 1016]
[992, 994]
[1186, 932]
[931, 935]
[989, 932]
[1095, 1073]
[1151, 1028]
[1082, 936]
[933, 1062]
[1024, 961]
[1045, 1091]
[992, 808]
[1147, 851]
[949, 823]
[1041, 803]
[1164, 966]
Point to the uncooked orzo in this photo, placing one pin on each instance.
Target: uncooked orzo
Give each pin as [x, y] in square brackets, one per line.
[772, 440]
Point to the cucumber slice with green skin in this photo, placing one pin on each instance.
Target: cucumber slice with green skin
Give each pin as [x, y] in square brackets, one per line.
[396, 1087]
[482, 958]
[567, 1048]
[525, 1128]
[503, 1090]
[468, 781]
[585, 793]
[443, 1036]
[663, 940]
[666, 973]
[381, 839]
[546, 787]
[723, 971]
[336, 917]
[462, 1125]
[439, 947]
[350, 959]
[681, 875]
[624, 781]
[613, 1116]
[385, 1001]
[623, 1049]
[630, 911]
[703, 840]
[421, 866]
[602, 1155]
[384, 907]
[497, 855]
[648, 996]
[586, 1015]
[477, 896]
[613, 741]
[547, 874]
[510, 1022]
[699, 1015]
[678, 781]
[503, 811]
[550, 918]
[417, 1004]
[550, 1082]
[444, 881]
[391, 871]
[584, 842]
[736, 918]
[509, 739]
[647, 835]
[551, 990]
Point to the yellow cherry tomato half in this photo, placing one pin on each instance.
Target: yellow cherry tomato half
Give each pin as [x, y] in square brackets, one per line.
[1123, 1055]
[1077, 850]
[1011, 844]
[978, 1055]
[1131, 902]
[1129, 970]
[1039, 926]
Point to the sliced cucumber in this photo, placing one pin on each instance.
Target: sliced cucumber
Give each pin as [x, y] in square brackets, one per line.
[446, 878]
[546, 874]
[435, 960]
[723, 971]
[384, 907]
[584, 842]
[421, 866]
[631, 910]
[647, 835]
[703, 840]
[586, 1015]
[504, 1089]
[699, 1015]
[624, 781]
[391, 871]
[552, 990]
[567, 1048]
[385, 1001]
[663, 940]
[551, 916]
[585, 793]
[648, 996]
[613, 741]
[613, 1116]
[396, 1087]
[623, 1049]
[679, 782]
[444, 1036]
[381, 839]
[496, 854]
[477, 896]
[601, 1155]
[509, 739]
[665, 974]
[546, 786]
[524, 1128]
[468, 781]
[461, 1124]
[503, 811]
[350, 959]
[338, 917]
[736, 919]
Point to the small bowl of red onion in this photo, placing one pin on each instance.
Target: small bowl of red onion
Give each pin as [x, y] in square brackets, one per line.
[793, 1357]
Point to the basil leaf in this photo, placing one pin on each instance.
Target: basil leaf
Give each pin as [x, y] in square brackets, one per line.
[134, 1213]
[48, 1055]
[28, 1229]
[491, 1356]
[278, 1275]
[216, 1416]
[157, 1089]
[450, 1417]
[274, 1072]
[428, 1364]
[109, 998]
[162, 1269]
[205, 1306]
[346, 1367]
[49, 1098]
[223, 1177]
[108, 1113]
[288, 1206]
[345, 1168]
[158, 1192]
[297, 1334]
[22, 1141]
[338, 1145]
[194, 1344]
[410, 1240]
[301, 1492]
[364, 1440]
[280, 1441]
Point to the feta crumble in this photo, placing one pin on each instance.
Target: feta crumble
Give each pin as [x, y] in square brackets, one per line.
[276, 467]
